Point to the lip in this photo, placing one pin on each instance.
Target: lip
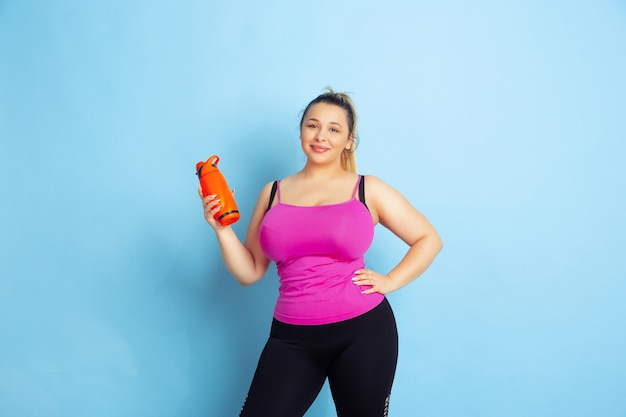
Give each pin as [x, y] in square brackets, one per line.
[317, 148]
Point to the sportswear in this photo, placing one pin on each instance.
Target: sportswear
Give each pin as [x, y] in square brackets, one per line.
[317, 250]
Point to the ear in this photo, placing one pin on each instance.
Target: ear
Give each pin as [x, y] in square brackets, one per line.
[350, 142]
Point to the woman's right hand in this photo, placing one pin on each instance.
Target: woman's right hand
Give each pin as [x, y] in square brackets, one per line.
[211, 205]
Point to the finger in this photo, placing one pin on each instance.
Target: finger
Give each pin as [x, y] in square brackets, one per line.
[360, 274]
[210, 204]
[368, 283]
[358, 279]
[206, 201]
[364, 273]
[368, 287]
[213, 210]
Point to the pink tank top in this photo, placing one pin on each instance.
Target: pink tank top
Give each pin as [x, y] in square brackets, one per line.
[317, 250]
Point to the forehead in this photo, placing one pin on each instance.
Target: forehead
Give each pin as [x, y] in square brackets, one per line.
[327, 112]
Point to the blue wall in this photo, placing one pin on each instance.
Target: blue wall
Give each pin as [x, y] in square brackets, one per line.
[502, 121]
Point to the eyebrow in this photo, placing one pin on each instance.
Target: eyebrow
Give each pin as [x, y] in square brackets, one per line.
[315, 120]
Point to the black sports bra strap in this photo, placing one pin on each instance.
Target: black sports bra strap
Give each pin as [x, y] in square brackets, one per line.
[272, 195]
[362, 191]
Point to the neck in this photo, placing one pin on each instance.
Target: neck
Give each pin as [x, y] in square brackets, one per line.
[322, 171]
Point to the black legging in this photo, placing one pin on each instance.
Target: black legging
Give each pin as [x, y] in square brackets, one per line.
[358, 356]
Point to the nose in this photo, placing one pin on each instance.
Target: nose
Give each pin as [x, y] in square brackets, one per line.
[319, 136]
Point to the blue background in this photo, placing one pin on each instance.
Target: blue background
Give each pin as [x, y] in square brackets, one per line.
[503, 122]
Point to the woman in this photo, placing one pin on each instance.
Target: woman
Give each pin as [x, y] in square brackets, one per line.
[332, 319]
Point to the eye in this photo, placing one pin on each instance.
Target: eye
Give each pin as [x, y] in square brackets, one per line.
[334, 130]
[312, 126]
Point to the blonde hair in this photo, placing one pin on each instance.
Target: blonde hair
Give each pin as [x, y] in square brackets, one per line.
[329, 96]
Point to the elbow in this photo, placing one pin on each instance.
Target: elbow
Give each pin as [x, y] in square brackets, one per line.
[433, 242]
[248, 280]
[249, 275]
[439, 244]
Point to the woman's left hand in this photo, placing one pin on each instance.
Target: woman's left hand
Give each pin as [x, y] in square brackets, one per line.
[379, 283]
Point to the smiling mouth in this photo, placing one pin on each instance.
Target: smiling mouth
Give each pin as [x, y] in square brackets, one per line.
[319, 148]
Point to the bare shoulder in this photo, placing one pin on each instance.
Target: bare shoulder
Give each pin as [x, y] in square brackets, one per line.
[377, 196]
[374, 181]
[379, 189]
[267, 187]
[393, 210]
[260, 207]
[264, 195]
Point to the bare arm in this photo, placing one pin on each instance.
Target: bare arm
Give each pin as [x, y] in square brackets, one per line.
[245, 261]
[394, 212]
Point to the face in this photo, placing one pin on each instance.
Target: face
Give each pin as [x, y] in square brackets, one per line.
[325, 133]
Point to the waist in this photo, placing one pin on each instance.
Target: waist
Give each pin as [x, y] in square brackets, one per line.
[314, 305]
[381, 314]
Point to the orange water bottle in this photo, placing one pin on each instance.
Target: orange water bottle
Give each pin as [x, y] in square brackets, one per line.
[213, 182]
